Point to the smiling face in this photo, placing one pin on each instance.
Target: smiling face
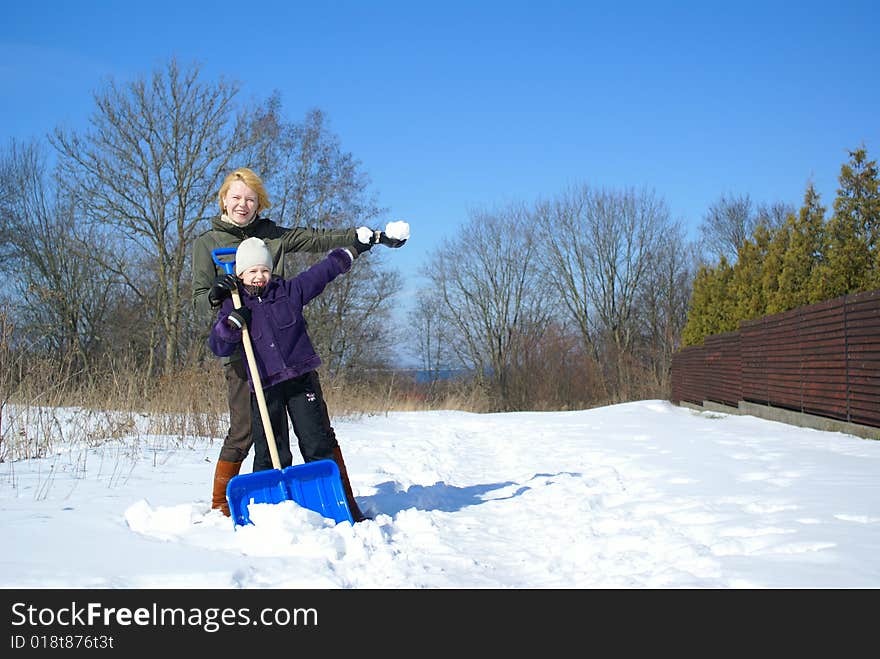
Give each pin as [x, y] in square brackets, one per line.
[240, 203]
[258, 275]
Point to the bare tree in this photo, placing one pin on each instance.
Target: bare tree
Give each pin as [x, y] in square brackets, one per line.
[61, 299]
[491, 293]
[350, 323]
[10, 367]
[732, 220]
[774, 215]
[431, 335]
[567, 259]
[727, 224]
[663, 303]
[147, 172]
[315, 182]
[599, 247]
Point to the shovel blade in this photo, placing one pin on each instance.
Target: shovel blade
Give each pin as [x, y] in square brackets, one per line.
[314, 485]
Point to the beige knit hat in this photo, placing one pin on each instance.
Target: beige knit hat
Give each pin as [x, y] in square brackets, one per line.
[251, 252]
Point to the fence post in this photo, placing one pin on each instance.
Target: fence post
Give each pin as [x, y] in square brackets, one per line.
[846, 355]
[800, 335]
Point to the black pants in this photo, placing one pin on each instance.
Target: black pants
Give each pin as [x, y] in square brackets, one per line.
[302, 401]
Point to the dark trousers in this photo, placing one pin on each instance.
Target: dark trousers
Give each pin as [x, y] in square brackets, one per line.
[301, 400]
[238, 440]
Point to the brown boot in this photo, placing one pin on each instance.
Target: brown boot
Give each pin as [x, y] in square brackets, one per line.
[356, 513]
[222, 474]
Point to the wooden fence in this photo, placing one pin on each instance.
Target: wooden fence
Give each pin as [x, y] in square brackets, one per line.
[821, 359]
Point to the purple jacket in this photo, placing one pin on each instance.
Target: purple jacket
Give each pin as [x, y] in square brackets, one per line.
[282, 348]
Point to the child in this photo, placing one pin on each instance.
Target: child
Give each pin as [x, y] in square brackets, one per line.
[272, 310]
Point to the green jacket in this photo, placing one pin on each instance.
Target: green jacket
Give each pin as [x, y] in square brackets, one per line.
[280, 240]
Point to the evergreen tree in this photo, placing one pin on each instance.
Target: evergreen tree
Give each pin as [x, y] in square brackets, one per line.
[712, 307]
[803, 255]
[695, 328]
[851, 263]
[771, 281]
[747, 279]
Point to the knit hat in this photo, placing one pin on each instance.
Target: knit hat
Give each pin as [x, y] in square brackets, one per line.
[251, 252]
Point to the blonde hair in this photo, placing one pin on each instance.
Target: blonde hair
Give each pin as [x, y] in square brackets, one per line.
[251, 180]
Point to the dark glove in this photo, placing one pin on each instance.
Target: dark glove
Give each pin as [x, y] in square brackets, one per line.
[221, 289]
[360, 247]
[391, 242]
[395, 234]
[364, 240]
[239, 318]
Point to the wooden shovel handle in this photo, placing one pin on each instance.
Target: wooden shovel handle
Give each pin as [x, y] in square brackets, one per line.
[258, 386]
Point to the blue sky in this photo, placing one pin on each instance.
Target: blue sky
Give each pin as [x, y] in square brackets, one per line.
[457, 106]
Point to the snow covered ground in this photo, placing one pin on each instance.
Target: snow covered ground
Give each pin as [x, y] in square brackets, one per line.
[631, 496]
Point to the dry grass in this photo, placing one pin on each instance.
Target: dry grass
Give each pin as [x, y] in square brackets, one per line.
[123, 401]
[400, 394]
[39, 399]
[49, 405]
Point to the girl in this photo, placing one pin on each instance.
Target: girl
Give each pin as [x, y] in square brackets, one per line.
[272, 310]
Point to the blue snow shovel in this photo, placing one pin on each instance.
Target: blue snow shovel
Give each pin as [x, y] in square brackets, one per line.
[314, 485]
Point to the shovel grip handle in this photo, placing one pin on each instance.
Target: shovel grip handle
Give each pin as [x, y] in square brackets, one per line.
[229, 266]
